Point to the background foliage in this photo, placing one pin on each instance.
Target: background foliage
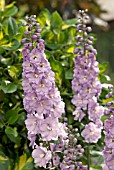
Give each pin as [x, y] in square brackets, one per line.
[66, 8]
[59, 36]
[104, 29]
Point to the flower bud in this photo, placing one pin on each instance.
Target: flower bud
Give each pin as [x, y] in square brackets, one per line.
[77, 37]
[38, 35]
[76, 50]
[26, 33]
[80, 31]
[90, 38]
[109, 103]
[89, 29]
[78, 44]
[34, 37]
[24, 24]
[38, 30]
[23, 40]
[30, 27]
[79, 163]
[36, 24]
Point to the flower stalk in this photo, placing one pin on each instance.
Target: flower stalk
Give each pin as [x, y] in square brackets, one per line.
[42, 100]
[86, 85]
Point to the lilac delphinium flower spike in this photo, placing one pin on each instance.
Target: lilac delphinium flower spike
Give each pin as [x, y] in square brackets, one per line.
[86, 84]
[109, 133]
[70, 150]
[42, 99]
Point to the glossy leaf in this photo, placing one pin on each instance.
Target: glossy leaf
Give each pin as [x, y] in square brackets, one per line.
[56, 65]
[96, 159]
[69, 75]
[11, 116]
[4, 161]
[57, 68]
[11, 45]
[21, 118]
[71, 21]
[12, 134]
[24, 163]
[8, 87]
[13, 71]
[12, 26]
[103, 67]
[56, 22]
[68, 23]
[10, 10]
[44, 17]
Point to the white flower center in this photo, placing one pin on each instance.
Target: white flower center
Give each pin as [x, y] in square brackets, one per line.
[91, 133]
[49, 128]
[41, 155]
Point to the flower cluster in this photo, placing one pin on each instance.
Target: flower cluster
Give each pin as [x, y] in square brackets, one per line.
[109, 134]
[42, 99]
[86, 84]
[70, 150]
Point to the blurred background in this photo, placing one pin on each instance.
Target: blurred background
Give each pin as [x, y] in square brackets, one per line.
[101, 13]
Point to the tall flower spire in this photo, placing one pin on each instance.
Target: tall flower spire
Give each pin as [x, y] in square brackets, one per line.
[108, 151]
[42, 99]
[86, 85]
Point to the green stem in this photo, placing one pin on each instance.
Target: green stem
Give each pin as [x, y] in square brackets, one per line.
[88, 146]
[52, 158]
[88, 156]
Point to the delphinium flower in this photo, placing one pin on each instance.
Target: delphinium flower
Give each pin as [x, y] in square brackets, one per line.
[86, 85]
[70, 151]
[42, 100]
[109, 132]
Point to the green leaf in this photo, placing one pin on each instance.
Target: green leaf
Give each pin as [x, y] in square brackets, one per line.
[56, 22]
[10, 10]
[103, 67]
[2, 5]
[11, 132]
[8, 87]
[58, 69]
[56, 65]
[68, 23]
[52, 46]
[13, 71]
[5, 61]
[71, 21]
[70, 117]
[69, 75]
[104, 117]
[11, 116]
[11, 45]
[12, 26]
[96, 159]
[1, 33]
[24, 163]
[4, 161]
[21, 118]
[71, 31]
[104, 78]
[5, 40]
[62, 38]
[44, 17]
